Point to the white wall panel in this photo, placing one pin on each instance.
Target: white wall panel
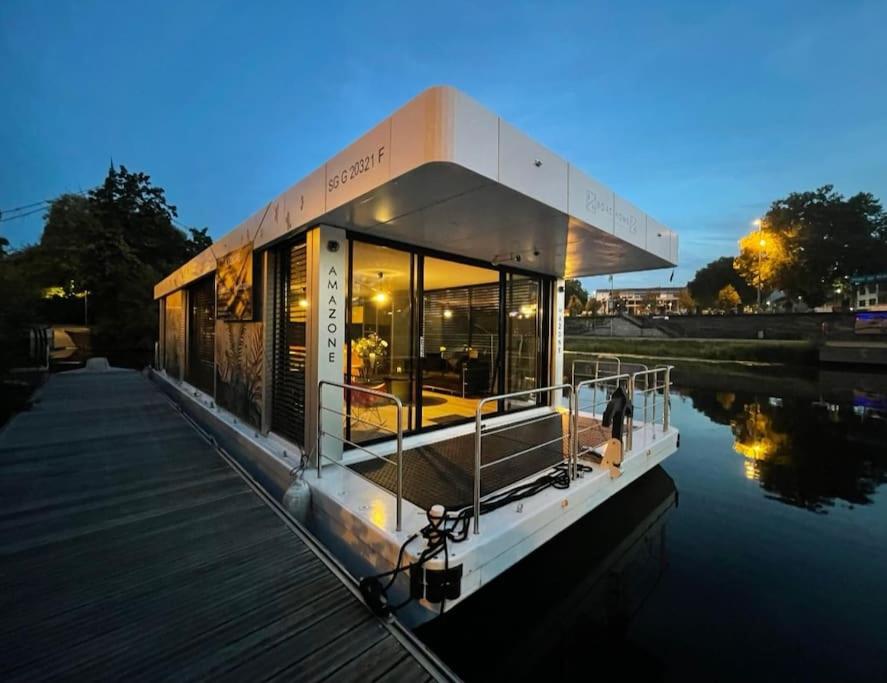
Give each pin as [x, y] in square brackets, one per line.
[658, 239]
[530, 168]
[363, 166]
[417, 132]
[475, 135]
[302, 203]
[590, 201]
[631, 223]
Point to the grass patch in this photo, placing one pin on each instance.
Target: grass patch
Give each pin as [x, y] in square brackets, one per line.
[760, 351]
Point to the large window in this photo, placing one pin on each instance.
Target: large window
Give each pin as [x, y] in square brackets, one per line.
[380, 336]
[441, 335]
[460, 322]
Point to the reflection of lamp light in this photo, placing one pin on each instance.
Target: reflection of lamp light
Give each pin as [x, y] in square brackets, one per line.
[447, 313]
[303, 303]
[527, 311]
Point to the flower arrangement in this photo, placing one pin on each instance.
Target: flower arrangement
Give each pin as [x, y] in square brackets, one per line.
[371, 349]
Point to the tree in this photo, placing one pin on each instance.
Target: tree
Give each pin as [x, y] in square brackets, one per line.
[711, 279]
[574, 306]
[829, 237]
[198, 241]
[19, 303]
[649, 302]
[115, 244]
[728, 298]
[686, 302]
[574, 288]
[763, 254]
[593, 305]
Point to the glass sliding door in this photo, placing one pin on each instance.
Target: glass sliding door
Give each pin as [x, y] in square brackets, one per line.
[523, 361]
[381, 339]
[439, 334]
[460, 332]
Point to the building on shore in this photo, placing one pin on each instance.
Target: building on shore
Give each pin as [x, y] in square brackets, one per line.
[870, 292]
[642, 300]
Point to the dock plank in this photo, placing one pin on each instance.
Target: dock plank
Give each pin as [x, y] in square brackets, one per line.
[129, 548]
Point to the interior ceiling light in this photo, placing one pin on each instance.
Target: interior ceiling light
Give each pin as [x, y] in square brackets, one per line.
[447, 313]
[380, 297]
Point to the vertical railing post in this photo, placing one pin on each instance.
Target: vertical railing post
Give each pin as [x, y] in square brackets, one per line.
[477, 448]
[646, 396]
[629, 438]
[666, 393]
[319, 427]
[399, 463]
[646, 387]
[575, 395]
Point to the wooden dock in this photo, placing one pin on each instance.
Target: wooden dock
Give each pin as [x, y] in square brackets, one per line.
[131, 548]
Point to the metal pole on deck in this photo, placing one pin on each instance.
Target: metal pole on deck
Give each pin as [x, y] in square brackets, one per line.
[477, 426]
[630, 436]
[400, 464]
[574, 436]
[666, 396]
[319, 427]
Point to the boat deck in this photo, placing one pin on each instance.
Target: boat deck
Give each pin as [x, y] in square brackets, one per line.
[130, 548]
[443, 472]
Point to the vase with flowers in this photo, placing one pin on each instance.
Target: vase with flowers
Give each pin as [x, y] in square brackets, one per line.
[371, 349]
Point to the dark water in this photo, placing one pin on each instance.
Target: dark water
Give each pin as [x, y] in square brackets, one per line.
[757, 552]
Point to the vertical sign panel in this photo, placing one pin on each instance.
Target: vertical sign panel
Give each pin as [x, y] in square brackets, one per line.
[327, 283]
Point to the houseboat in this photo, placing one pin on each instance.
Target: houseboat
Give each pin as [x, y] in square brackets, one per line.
[382, 347]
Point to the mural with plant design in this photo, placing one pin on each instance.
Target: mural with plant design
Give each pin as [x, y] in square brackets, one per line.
[174, 334]
[239, 349]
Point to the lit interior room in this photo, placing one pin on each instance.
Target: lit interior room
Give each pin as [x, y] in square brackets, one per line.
[430, 331]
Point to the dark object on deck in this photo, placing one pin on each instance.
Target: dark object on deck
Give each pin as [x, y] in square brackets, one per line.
[618, 408]
[129, 548]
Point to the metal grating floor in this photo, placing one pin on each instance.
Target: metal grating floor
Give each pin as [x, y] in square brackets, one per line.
[443, 472]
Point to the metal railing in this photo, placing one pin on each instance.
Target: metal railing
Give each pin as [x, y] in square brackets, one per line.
[397, 433]
[591, 367]
[480, 432]
[655, 388]
[648, 383]
[606, 386]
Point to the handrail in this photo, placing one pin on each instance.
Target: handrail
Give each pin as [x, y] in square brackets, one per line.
[479, 434]
[596, 360]
[399, 433]
[650, 393]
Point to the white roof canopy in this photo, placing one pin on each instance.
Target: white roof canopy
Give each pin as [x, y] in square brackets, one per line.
[445, 173]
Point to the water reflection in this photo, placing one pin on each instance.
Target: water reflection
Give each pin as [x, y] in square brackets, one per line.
[806, 453]
[577, 594]
[743, 556]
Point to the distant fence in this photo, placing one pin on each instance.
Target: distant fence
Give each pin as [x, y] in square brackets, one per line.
[810, 326]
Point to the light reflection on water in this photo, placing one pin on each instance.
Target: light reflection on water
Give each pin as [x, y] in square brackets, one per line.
[772, 566]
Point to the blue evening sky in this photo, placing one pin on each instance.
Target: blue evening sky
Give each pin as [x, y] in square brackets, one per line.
[700, 112]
